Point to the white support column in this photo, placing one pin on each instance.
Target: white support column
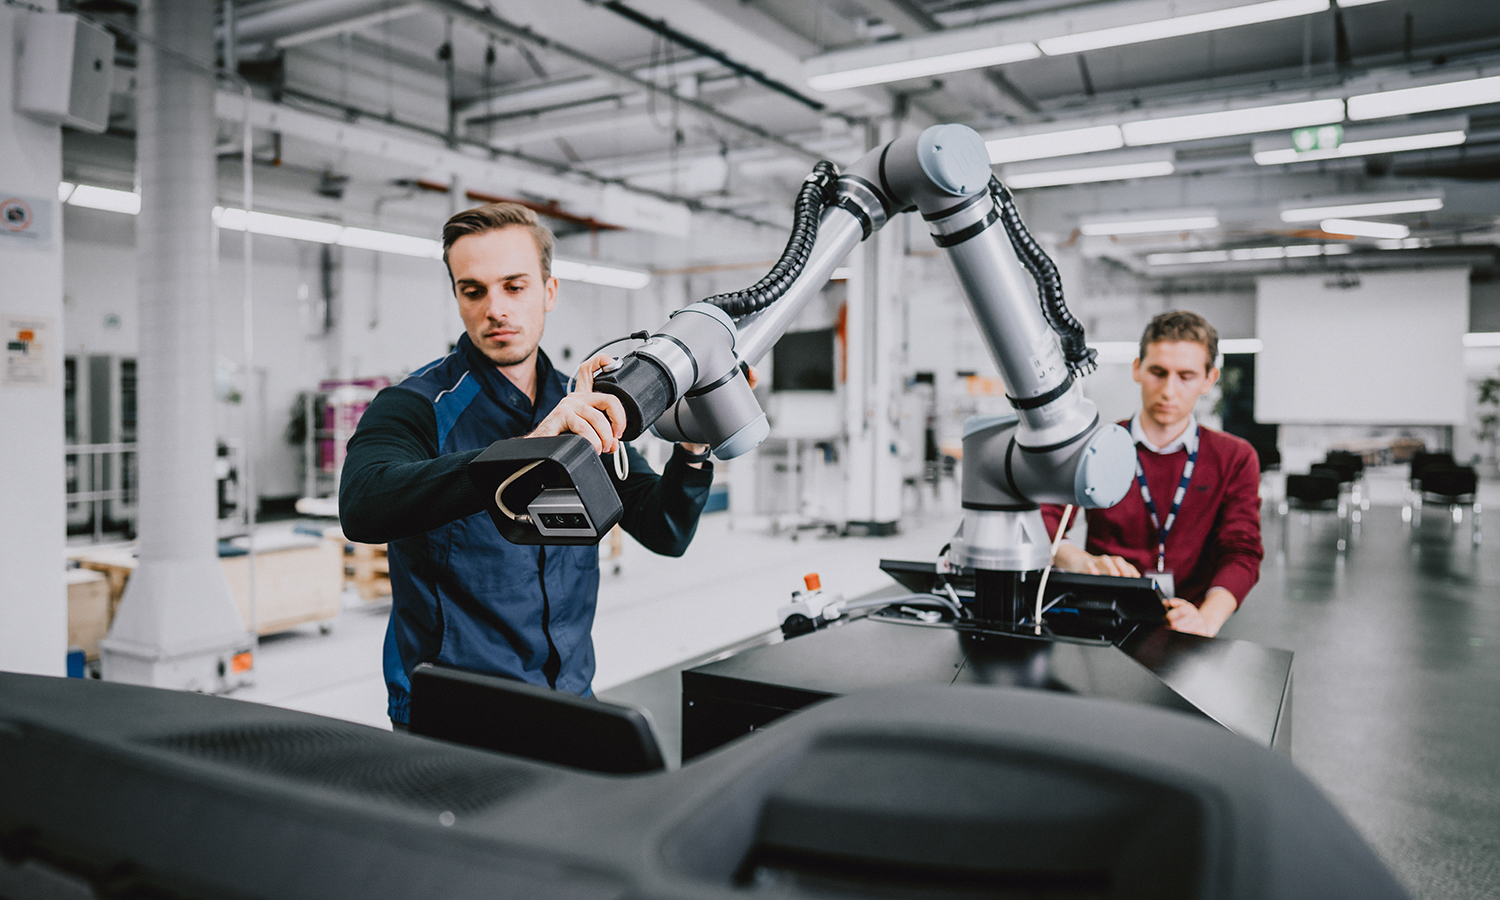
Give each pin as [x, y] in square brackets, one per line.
[873, 470]
[177, 625]
[33, 595]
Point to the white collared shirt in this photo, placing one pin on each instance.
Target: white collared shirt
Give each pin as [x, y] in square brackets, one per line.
[1188, 440]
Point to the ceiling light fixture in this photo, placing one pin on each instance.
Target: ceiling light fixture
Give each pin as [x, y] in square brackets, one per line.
[1405, 101]
[1281, 117]
[1244, 254]
[1055, 143]
[354, 238]
[390, 242]
[924, 66]
[1348, 210]
[1194, 220]
[1386, 230]
[1196, 23]
[107, 199]
[1241, 345]
[1087, 174]
[1363, 148]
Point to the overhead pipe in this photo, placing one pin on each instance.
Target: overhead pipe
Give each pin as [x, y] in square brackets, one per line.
[494, 25]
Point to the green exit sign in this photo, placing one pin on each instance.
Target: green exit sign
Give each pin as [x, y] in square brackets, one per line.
[1324, 137]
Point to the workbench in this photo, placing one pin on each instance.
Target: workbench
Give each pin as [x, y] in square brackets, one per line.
[1242, 686]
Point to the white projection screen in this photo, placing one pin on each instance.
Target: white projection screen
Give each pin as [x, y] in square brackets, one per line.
[1385, 348]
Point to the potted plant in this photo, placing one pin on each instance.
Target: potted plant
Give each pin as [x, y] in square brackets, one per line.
[1489, 421]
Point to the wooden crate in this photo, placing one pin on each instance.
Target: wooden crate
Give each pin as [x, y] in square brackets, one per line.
[88, 610]
[293, 585]
[369, 569]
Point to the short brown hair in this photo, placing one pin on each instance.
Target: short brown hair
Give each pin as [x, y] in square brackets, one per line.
[493, 217]
[1181, 325]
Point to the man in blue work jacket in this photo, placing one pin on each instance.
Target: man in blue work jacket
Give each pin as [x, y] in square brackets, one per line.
[462, 595]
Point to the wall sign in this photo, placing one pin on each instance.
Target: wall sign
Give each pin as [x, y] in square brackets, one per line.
[25, 221]
[28, 349]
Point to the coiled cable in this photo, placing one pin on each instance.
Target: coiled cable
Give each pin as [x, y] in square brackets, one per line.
[817, 193]
[1081, 358]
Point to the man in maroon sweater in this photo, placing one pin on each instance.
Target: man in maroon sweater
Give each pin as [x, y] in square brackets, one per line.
[1212, 544]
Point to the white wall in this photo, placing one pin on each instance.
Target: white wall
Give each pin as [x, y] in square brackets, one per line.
[33, 599]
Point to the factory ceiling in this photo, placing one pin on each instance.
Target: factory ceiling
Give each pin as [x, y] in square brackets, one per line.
[713, 107]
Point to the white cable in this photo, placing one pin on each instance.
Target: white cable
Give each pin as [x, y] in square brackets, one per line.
[1062, 529]
[500, 491]
[622, 464]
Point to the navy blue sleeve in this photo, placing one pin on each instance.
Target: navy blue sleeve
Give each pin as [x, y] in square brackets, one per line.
[394, 483]
[661, 511]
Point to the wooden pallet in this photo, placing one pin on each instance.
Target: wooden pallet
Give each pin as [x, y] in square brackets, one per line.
[368, 568]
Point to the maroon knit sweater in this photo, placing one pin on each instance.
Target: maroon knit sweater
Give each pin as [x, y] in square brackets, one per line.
[1216, 539]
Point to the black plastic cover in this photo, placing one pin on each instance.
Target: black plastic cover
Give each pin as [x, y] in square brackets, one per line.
[568, 461]
[494, 713]
[122, 791]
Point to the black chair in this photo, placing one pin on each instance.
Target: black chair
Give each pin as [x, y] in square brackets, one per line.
[506, 716]
[1420, 462]
[1455, 487]
[1320, 490]
[1351, 469]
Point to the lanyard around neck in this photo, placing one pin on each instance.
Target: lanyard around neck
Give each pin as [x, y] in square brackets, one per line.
[1164, 529]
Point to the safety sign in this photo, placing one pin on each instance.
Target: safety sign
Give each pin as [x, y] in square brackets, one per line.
[25, 220]
[28, 351]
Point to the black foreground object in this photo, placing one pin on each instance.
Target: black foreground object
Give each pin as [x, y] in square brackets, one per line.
[567, 461]
[507, 716]
[115, 790]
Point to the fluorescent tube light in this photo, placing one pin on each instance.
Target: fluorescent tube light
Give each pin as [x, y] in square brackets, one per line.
[1482, 339]
[1357, 228]
[1364, 148]
[1197, 222]
[1410, 243]
[319, 232]
[1055, 143]
[297, 229]
[390, 242]
[1188, 257]
[107, 199]
[607, 276]
[921, 67]
[1282, 117]
[1244, 254]
[1089, 174]
[1451, 95]
[1177, 26]
[1347, 210]
[1241, 345]
[64, 189]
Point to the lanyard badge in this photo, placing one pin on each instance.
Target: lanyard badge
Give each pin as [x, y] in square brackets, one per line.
[1165, 528]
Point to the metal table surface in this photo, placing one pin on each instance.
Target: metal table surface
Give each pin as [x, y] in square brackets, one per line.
[1243, 686]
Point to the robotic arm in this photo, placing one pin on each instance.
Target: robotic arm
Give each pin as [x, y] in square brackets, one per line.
[686, 381]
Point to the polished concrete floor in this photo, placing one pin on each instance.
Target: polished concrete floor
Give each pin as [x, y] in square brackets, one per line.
[1397, 690]
[1397, 672]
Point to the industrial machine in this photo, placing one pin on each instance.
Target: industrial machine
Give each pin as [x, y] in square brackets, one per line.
[687, 382]
[113, 790]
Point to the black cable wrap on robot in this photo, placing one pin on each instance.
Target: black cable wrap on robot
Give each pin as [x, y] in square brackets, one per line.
[1048, 284]
[817, 193]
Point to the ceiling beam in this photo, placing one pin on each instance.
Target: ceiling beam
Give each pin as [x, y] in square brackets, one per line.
[492, 24]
